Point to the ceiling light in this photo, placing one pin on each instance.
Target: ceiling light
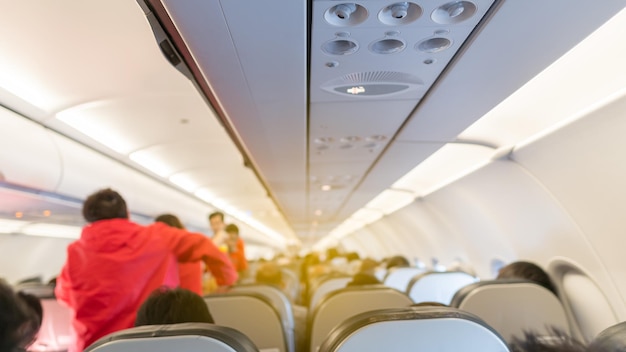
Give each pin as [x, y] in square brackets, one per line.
[450, 162]
[51, 230]
[391, 200]
[151, 162]
[318, 212]
[531, 111]
[83, 119]
[326, 188]
[367, 216]
[26, 85]
[11, 226]
[184, 181]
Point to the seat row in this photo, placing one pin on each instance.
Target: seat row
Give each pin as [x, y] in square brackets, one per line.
[264, 313]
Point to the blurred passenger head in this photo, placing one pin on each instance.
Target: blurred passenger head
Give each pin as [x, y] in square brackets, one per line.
[368, 266]
[233, 236]
[360, 279]
[216, 221]
[20, 319]
[527, 271]
[428, 304]
[104, 204]
[555, 341]
[398, 261]
[270, 274]
[612, 339]
[173, 306]
[170, 220]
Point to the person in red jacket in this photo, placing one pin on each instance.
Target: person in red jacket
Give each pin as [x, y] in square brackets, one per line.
[116, 264]
[190, 273]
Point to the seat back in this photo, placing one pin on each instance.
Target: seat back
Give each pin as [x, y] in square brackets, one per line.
[292, 284]
[399, 278]
[345, 303]
[327, 285]
[188, 337]
[441, 329]
[513, 306]
[253, 315]
[280, 301]
[438, 286]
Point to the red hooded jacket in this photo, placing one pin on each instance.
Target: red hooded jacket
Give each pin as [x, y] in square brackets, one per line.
[116, 264]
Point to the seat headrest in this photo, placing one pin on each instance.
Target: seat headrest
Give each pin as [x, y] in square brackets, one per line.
[414, 328]
[149, 335]
[513, 306]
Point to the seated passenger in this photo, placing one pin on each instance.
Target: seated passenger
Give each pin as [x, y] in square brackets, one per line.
[173, 306]
[189, 274]
[20, 319]
[362, 278]
[556, 341]
[116, 264]
[398, 261]
[527, 271]
[270, 274]
[612, 339]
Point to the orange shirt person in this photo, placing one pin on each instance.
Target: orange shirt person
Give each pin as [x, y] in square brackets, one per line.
[236, 249]
[189, 274]
[116, 264]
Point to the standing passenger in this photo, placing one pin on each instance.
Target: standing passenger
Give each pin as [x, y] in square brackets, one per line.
[189, 274]
[236, 250]
[117, 263]
[216, 222]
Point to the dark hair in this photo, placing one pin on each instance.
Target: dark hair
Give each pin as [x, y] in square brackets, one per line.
[173, 306]
[216, 213]
[527, 271]
[19, 323]
[611, 339]
[554, 341]
[270, 274]
[360, 279]
[34, 304]
[104, 204]
[428, 304]
[232, 228]
[398, 261]
[170, 220]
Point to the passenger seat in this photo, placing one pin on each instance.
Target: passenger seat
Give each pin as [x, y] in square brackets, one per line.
[438, 286]
[187, 337]
[441, 329]
[345, 303]
[513, 306]
[253, 315]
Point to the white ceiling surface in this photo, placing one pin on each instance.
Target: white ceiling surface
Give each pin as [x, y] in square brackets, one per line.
[261, 60]
[99, 63]
[96, 66]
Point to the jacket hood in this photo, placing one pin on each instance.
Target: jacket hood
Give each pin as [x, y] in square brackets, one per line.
[110, 235]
